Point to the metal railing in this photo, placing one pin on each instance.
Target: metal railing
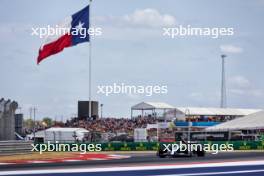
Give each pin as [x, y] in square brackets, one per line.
[15, 147]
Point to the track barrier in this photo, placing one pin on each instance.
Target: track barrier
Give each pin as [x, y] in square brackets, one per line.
[153, 146]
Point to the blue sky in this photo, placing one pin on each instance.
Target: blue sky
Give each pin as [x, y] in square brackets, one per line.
[132, 50]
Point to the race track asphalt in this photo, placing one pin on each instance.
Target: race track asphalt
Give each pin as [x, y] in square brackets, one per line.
[140, 159]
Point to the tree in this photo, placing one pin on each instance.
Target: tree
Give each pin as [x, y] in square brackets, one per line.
[48, 121]
[28, 123]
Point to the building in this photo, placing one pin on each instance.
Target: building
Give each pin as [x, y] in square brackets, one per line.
[201, 118]
[7, 119]
[189, 122]
[19, 124]
[83, 109]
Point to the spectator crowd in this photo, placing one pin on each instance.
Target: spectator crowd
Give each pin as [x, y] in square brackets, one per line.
[111, 125]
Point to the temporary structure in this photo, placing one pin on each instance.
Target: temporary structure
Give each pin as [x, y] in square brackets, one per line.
[250, 122]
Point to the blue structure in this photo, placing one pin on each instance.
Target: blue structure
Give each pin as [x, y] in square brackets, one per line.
[195, 124]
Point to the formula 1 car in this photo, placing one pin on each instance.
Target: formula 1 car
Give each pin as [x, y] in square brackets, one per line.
[183, 148]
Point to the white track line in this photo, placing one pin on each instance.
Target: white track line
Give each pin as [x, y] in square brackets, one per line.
[133, 168]
[36, 162]
[215, 173]
[72, 160]
[118, 156]
[97, 159]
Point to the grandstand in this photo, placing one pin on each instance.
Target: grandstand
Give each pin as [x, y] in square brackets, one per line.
[160, 119]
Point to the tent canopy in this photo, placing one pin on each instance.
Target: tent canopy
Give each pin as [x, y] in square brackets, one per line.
[216, 111]
[252, 121]
[66, 129]
[42, 133]
[151, 106]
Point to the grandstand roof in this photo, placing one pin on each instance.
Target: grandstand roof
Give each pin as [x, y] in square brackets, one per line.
[151, 106]
[56, 129]
[216, 111]
[66, 129]
[252, 121]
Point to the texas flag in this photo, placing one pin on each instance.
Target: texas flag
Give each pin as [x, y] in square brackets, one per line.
[72, 31]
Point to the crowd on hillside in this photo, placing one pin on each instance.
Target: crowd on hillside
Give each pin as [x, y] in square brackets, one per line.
[111, 125]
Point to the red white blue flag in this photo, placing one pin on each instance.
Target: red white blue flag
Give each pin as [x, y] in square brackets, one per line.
[72, 31]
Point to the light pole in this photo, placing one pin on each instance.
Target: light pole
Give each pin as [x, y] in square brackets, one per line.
[30, 115]
[34, 121]
[187, 112]
[223, 83]
[90, 64]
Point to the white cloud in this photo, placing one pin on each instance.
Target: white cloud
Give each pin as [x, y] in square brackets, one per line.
[231, 49]
[239, 82]
[240, 85]
[133, 96]
[196, 95]
[257, 92]
[10, 31]
[123, 27]
[144, 18]
[237, 91]
[128, 33]
[150, 17]
[247, 92]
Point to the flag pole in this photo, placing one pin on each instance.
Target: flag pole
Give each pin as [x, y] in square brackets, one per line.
[90, 63]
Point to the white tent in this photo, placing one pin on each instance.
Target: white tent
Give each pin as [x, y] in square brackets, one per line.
[249, 122]
[216, 111]
[60, 134]
[153, 106]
